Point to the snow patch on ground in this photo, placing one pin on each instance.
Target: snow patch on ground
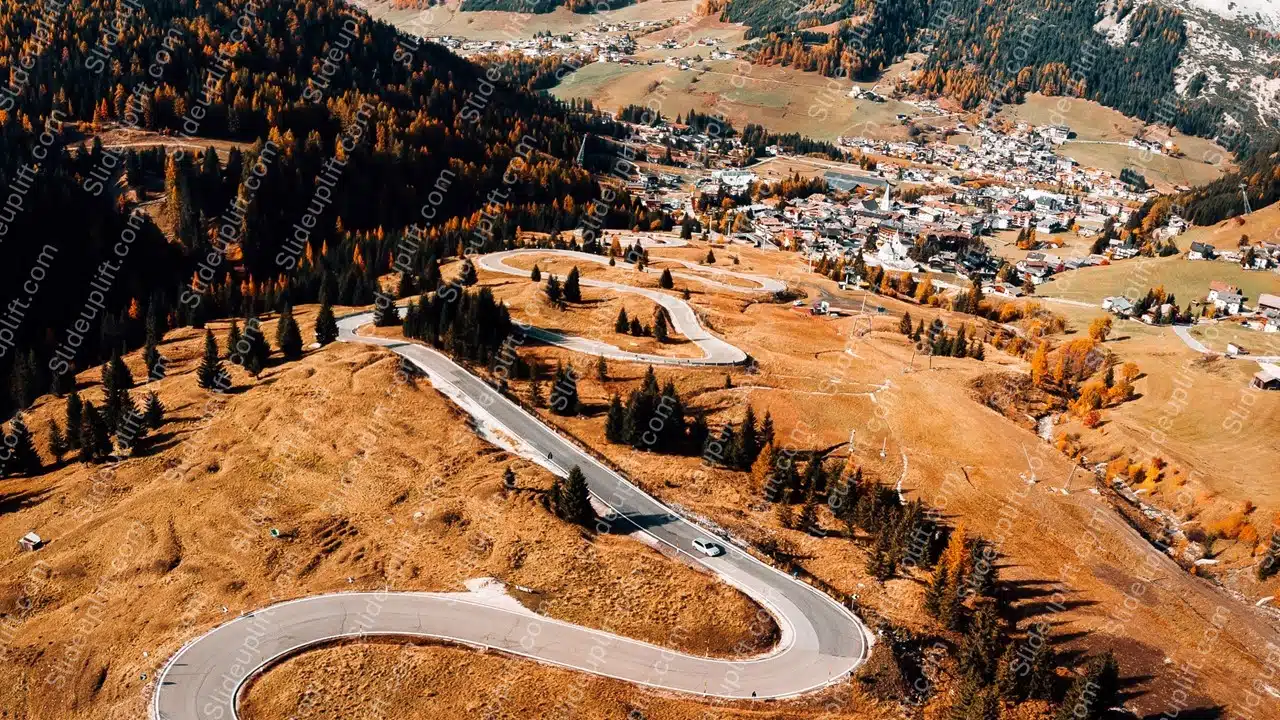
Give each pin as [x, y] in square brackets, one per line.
[490, 592]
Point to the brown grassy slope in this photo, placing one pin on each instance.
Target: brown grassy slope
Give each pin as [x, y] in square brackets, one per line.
[416, 682]
[338, 458]
[1114, 590]
[592, 318]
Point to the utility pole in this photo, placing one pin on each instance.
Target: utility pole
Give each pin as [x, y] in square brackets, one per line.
[1066, 487]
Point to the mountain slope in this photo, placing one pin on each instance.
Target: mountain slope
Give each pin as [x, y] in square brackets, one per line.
[353, 131]
[1172, 62]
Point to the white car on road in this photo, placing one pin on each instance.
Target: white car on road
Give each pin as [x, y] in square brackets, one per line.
[706, 547]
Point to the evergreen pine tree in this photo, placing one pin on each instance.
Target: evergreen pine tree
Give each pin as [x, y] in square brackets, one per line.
[985, 705]
[1086, 697]
[154, 414]
[572, 291]
[121, 378]
[570, 500]
[211, 371]
[1006, 675]
[95, 441]
[405, 287]
[746, 441]
[385, 313]
[981, 645]
[467, 273]
[880, 563]
[659, 325]
[23, 457]
[1039, 683]
[288, 336]
[535, 392]
[615, 421]
[58, 446]
[22, 382]
[621, 325]
[960, 345]
[698, 432]
[535, 274]
[552, 289]
[151, 356]
[234, 340]
[904, 326]
[564, 392]
[602, 368]
[75, 411]
[711, 257]
[130, 425]
[326, 325]
[255, 360]
[808, 520]
[936, 594]
[665, 281]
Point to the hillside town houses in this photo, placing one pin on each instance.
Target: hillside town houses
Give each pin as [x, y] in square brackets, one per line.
[942, 221]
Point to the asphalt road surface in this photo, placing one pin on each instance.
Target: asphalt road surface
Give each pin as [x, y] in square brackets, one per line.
[821, 641]
[683, 319]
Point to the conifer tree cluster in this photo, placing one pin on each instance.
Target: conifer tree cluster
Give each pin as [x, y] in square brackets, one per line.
[1093, 691]
[564, 391]
[470, 325]
[18, 453]
[966, 572]
[739, 446]
[938, 342]
[627, 325]
[570, 499]
[654, 418]
[553, 291]
[385, 312]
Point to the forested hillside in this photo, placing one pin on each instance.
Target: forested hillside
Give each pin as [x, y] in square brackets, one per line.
[351, 140]
[1221, 200]
[979, 52]
[543, 6]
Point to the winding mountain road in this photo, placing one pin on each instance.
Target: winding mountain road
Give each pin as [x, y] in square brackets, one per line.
[821, 642]
[683, 319]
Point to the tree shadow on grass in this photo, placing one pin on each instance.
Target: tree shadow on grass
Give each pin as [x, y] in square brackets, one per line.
[15, 501]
